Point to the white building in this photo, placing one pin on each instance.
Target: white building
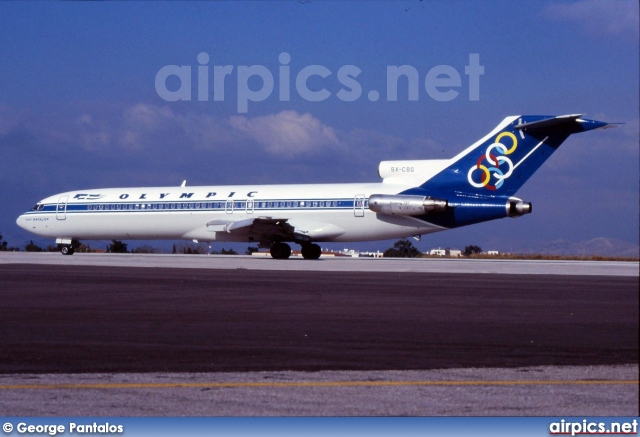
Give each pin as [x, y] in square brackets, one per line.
[445, 252]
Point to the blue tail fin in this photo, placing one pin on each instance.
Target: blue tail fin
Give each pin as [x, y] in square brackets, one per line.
[500, 163]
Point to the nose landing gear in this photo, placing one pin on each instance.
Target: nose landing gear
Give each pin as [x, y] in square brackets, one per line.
[66, 250]
[67, 246]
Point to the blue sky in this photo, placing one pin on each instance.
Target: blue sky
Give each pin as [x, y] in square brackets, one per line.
[79, 106]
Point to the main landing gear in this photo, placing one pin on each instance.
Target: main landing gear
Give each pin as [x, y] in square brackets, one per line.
[280, 251]
[311, 251]
[283, 251]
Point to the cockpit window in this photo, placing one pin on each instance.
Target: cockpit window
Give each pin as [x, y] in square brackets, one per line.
[38, 207]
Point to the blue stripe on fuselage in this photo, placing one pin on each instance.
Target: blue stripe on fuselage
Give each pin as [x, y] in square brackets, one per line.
[217, 206]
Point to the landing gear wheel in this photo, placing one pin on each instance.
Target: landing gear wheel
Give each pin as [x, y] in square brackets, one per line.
[280, 251]
[311, 251]
[67, 250]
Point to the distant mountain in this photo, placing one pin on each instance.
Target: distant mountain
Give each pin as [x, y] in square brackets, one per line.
[598, 246]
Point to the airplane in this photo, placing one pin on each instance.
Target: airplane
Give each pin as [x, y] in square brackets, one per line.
[415, 197]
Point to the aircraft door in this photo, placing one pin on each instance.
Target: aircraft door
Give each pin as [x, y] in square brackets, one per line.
[228, 206]
[61, 209]
[358, 205]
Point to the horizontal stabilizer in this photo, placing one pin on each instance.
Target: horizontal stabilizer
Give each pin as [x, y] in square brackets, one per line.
[572, 122]
[560, 119]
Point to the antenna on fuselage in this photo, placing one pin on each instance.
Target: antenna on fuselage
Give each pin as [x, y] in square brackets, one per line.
[184, 183]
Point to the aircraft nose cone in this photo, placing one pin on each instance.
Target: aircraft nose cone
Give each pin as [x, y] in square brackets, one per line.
[22, 222]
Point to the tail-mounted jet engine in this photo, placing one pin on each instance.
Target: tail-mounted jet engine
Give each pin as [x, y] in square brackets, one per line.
[399, 204]
[516, 207]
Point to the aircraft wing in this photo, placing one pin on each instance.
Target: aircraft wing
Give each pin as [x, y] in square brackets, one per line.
[269, 229]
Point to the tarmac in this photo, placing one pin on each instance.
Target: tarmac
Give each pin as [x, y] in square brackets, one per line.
[141, 335]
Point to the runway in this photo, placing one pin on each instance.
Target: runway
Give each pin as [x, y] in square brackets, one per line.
[99, 324]
[331, 264]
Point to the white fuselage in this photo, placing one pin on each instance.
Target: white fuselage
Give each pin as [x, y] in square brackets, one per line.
[323, 212]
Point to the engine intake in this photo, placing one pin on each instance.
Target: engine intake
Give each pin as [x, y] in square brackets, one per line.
[399, 204]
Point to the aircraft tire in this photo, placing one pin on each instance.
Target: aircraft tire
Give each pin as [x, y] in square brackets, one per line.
[311, 251]
[67, 250]
[280, 251]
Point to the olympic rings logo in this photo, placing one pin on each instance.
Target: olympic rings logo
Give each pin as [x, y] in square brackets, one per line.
[497, 164]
